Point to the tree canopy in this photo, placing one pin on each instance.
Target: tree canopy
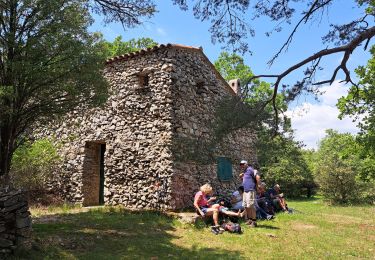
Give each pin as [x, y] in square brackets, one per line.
[254, 91]
[50, 62]
[231, 25]
[120, 47]
[360, 103]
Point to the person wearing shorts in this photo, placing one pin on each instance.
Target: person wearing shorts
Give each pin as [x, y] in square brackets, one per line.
[250, 181]
[202, 206]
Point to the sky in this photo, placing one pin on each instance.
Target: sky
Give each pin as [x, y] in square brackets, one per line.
[310, 118]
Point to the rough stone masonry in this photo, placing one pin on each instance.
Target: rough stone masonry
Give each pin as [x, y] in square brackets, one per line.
[130, 150]
[15, 222]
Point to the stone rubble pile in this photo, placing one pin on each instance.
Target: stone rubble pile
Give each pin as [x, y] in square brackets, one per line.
[15, 221]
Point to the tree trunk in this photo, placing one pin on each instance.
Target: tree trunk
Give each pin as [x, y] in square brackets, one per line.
[7, 142]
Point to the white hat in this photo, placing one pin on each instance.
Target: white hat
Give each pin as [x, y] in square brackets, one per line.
[243, 162]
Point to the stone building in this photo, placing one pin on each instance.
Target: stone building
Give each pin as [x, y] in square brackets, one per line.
[130, 150]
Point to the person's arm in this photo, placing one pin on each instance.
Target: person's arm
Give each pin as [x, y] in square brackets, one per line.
[257, 179]
[233, 200]
[197, 206]
[271, 195]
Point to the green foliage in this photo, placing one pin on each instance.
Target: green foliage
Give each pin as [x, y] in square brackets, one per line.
[339, 168]
[119, 47]
[49, 65]
[33, 163]
[360, 104]
[280, 157]
[232, 66]
[283, 162]
[256, 95]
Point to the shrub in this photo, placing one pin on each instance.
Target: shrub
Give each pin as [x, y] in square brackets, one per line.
[341, 172]
[337, 181]
[33, 163]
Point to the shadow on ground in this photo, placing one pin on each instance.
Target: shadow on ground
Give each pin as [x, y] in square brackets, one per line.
[112, 233]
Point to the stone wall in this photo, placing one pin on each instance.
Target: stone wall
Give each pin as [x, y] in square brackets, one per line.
[197, 90]
[135, 126]
[156, 97]
[15, 222]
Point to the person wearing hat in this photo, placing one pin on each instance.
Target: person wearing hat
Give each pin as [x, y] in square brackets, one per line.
[277, 198]
[250, 182]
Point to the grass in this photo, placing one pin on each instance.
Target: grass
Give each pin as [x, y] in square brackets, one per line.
[315, 231]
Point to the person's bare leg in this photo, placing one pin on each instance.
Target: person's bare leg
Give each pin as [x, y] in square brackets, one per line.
[248, 213]
[253, 214]
[283, 204]
[215, 216]
[234, 214]
[252, 217]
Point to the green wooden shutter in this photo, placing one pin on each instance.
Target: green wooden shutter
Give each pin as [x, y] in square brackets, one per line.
[224, 169]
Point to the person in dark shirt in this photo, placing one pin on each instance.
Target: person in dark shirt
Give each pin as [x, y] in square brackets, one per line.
[263, 203]
[277, 198]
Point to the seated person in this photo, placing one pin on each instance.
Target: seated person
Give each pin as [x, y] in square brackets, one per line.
[202, 206]
[236, 199]
[223, 208]
[277, 198]
[263, 200]
[261, 204]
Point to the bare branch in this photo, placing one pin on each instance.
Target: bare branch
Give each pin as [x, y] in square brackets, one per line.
[314, 7]
[346, 49]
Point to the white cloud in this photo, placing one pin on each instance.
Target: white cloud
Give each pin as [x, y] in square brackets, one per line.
[311, 120]
[161, 31]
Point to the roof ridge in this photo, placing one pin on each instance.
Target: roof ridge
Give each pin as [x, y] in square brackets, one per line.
[170, 45]
[151, 49]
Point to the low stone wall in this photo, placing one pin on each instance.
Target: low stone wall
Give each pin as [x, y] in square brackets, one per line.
[15, 222]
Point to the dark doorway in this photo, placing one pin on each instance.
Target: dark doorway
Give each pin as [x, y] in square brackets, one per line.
[93, 174]
[101, 185]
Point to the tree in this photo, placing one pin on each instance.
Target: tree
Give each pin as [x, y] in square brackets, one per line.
[254, 91]
[230, 25]
[119, 47]
[280, 157]
[338, 169]
[49, 62]
[360, 103]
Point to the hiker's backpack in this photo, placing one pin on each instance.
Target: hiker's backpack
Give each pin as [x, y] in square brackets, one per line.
[223, 201]
[232, 227]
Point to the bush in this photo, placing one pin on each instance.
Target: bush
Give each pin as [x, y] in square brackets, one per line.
[341, 172]
[33, 163]
[295, 179]
[337, 181]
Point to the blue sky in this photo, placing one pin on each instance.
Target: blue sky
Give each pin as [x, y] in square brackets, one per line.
[172, 25]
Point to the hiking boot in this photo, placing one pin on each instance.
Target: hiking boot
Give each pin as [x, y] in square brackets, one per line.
[215, 230]
[248, 222]
[221, 230]
[253, 224]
